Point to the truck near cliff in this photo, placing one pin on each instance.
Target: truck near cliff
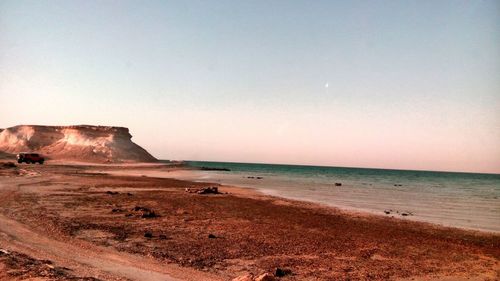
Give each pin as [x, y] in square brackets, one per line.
[80, 143]
[29, 158]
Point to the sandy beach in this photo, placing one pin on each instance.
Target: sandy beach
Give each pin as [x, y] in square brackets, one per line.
[80, 222]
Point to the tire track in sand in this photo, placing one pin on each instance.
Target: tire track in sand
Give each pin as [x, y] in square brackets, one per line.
[91, 258]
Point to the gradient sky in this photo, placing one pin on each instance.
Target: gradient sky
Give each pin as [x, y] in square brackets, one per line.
[411, 84]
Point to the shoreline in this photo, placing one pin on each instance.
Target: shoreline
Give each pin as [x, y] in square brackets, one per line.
[189, 174]
[367, 212]
[253, 233]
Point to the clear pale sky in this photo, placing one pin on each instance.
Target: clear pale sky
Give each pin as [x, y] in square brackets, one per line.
[389, 84]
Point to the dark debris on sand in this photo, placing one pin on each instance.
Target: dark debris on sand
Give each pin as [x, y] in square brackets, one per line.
[8, 165]
[204, 190]
[21, 266]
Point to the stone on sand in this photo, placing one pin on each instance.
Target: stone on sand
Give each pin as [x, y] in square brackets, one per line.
[265, 277]
[250, 277]
[280, 272]
[246, 277]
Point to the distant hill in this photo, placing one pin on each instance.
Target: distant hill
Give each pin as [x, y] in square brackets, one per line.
[86, 143]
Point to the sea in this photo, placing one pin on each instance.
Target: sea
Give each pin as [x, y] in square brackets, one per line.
[464, 200]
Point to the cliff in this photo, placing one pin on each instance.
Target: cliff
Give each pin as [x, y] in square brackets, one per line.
[98, 144]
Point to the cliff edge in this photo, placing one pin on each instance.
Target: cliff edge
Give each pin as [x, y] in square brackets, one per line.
[85, 143]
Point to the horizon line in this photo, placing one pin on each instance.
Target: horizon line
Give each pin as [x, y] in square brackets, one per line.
[349, 167]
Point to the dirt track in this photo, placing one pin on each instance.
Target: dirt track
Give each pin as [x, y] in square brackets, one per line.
[20, 238]
[78, 259]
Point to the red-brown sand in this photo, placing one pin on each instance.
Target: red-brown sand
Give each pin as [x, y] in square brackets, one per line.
[144, 228]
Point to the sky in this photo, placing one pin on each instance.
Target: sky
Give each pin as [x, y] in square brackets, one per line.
[384, 84]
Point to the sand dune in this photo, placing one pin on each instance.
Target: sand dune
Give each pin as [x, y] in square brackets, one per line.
[98, 144]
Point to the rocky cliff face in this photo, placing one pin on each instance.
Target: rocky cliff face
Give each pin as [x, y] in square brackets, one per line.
[85, 143]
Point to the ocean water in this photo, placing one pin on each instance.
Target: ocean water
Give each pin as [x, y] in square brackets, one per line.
[464, 200]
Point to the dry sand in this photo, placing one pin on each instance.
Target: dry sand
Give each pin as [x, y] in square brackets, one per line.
[68, 222]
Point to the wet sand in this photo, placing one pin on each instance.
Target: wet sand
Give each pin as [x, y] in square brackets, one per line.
[60, 222]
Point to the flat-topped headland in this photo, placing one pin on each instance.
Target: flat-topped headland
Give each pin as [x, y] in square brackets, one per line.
[83, 143]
